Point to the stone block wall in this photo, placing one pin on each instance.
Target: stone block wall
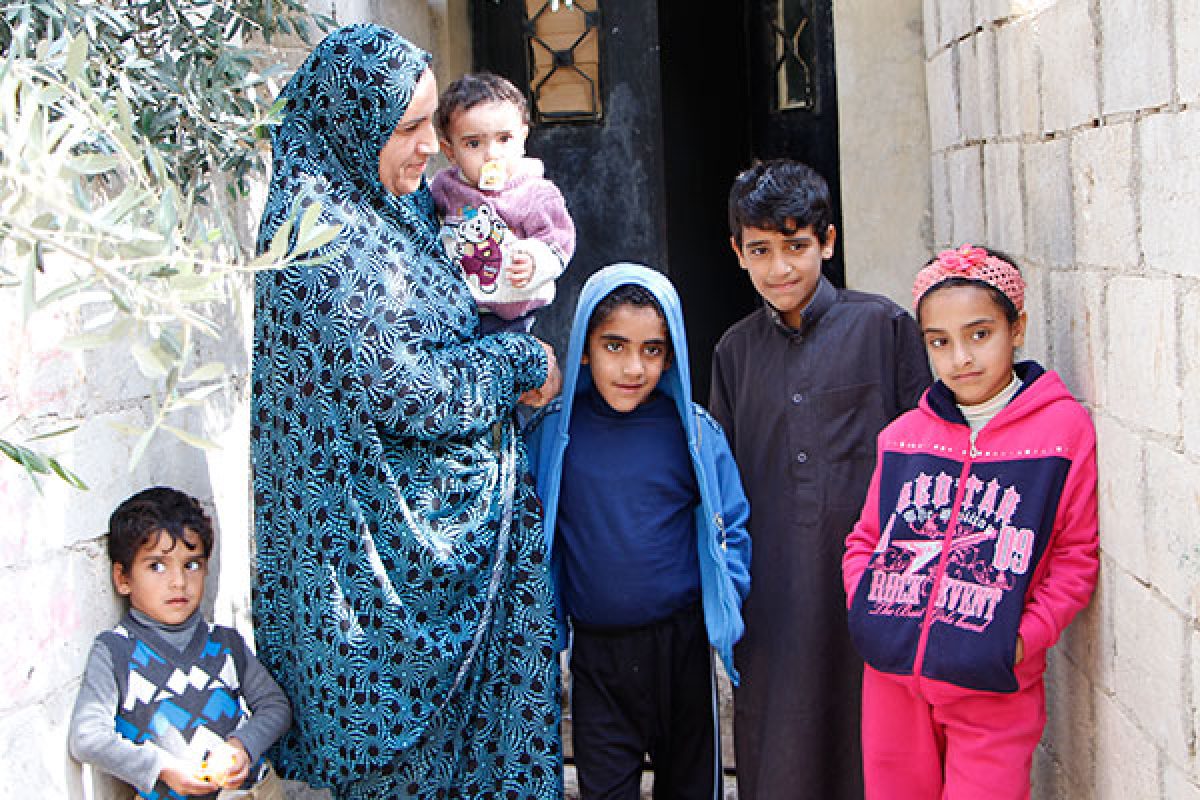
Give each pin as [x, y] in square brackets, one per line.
[1067, 132]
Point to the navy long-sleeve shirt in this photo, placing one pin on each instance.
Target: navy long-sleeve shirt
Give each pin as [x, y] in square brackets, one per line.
[626, 524]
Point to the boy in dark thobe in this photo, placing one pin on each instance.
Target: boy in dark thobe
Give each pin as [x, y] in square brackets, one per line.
[802, 387]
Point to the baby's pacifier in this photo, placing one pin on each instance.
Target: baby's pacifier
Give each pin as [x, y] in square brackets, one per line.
[493, 175]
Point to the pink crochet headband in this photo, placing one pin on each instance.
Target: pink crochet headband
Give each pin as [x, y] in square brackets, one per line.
[972, 263]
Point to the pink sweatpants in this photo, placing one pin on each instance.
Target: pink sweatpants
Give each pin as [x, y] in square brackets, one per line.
[977, 746]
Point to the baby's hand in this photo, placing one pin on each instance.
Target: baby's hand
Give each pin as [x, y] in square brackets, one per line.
[520, 270]
[1020, 655]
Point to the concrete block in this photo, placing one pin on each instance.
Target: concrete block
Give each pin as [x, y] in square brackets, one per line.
[72, 599]
[1077, 332]
[1179, 785]
[95, 784]
[943, 219]
[1121, 495]
[1170, 191]
[1037, 336]
[1143, 387]
[969, 89]
[945, 129]
[1172, 507]
[1047, 778]
[1195, 702]
[929, 15]
[1080, 644]
[1004, 205]
[1016, 73]
[413, 17]
[1070, 708]
[956, 19]
[999, 11]
[1100, 665]
[1189, 338]
[1106, 230]
[964, 173]
[884, 223]
[99, 451]
[35, 527]
[1068, 53]
[1187, 51]
[49, 384]
[33, 750]
[231, 568]
[1125, 753]
[986, 82]
[1049, 235]
[1135, 65]
[39, 378]
[1151, 663]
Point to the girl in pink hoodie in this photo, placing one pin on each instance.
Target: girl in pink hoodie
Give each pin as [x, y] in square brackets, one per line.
[975, 548]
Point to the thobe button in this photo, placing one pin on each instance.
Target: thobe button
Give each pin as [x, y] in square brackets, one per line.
[797, 398]
[801, 457]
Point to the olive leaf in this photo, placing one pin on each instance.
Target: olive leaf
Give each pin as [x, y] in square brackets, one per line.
[132, 131]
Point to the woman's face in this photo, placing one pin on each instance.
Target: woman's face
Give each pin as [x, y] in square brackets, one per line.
[403, 158]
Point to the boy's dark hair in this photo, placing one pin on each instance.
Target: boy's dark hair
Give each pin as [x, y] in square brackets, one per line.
[475, 89]
[779, 195]
[151, 512]
[627, 294]
[998, 297]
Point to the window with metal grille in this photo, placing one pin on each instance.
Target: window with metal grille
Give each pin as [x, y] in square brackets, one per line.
[563, 46]
[795, 49]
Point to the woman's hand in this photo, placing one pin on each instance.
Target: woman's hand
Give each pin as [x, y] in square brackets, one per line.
[1020, 650]
[550, 388]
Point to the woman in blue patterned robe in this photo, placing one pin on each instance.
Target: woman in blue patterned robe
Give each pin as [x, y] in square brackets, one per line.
[402, 597]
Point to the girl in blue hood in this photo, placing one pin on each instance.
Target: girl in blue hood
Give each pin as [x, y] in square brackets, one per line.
[645, 522]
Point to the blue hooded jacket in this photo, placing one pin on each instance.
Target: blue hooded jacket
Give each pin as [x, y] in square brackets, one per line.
[722, 542]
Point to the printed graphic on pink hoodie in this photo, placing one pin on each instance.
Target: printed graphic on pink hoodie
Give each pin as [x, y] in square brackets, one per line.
[962, 547]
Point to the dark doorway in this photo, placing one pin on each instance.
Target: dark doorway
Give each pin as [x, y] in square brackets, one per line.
[706, 142]
[741, 80]
[793, 93]
[690, 94]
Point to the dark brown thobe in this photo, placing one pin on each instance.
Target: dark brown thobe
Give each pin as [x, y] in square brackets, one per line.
[802, 409]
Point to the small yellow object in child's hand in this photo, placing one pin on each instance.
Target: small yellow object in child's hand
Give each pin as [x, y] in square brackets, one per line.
[217, 766]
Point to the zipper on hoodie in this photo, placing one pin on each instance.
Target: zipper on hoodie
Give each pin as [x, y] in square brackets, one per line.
[943, 559]
[717, 520]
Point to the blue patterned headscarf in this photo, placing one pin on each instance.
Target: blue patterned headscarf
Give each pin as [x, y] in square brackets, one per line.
[401, 598]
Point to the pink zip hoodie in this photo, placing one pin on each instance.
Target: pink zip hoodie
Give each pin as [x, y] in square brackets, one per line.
[961, 547]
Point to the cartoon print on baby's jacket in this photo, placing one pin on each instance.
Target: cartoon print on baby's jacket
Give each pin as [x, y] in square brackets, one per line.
[478, 242]
[974, 536]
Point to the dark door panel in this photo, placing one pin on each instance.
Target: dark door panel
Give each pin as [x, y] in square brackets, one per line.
[689, 95]
[610, 171]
